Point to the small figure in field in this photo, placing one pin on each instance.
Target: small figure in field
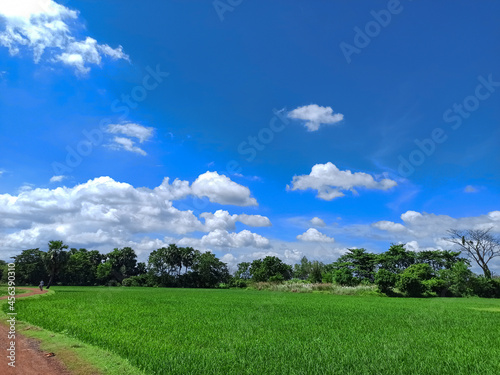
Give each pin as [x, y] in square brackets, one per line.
[41, 285]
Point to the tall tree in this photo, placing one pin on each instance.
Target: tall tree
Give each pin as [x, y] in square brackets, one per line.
[209, 271]
[123, 263]
[30, 267]
[243, 271]
[361, 263]
[264, 269]
[55, 259]
[397, 259]
[478, 244]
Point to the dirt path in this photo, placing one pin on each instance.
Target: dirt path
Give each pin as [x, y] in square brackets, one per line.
[30, 360]
[33, 292]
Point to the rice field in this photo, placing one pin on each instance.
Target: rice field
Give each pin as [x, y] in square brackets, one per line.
[195, 331]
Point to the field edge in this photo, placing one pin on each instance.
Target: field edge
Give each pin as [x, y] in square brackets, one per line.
[78, 357]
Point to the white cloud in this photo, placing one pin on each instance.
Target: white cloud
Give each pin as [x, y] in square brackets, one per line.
[220, 189]
[104, 211]
[330, 182]
[47, 28]
[57, 178]
[315, 116]
[389, 226]
[317, 222]
[142, 133]
[432, 228]
[121, 143]
[470, 189]
[223, 239]
[223, 220]
[314, 235]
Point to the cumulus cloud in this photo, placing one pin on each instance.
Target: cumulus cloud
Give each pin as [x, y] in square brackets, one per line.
[57, 178]
[220, 189]
[315, 116]
[314, 235]
[330, 182]
[47, 28]
[103, 210]
[223, 220]
[432, 228]
[317, 222]
[389, 226]
[220, 238]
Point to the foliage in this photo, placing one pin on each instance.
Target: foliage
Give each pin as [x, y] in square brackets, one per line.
[344, 277]
[270, 266]
[385, 280]
[55, 259]
[361, 263]
[397, 259]
[30, 267]
[410, 281]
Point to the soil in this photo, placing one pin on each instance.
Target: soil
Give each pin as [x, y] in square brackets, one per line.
[30, 360]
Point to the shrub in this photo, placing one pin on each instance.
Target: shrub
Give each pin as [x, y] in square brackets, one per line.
[238, 283]
[344, 277]
[277, 278]
[435, 287]
[487, 288]
[411, 280]
[385, 280]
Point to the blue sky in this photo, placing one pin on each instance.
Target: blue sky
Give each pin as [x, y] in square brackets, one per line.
[295, 109]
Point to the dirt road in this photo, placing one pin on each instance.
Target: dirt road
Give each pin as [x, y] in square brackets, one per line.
[30, 360]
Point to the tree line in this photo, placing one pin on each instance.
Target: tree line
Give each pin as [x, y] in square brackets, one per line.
[397, 271]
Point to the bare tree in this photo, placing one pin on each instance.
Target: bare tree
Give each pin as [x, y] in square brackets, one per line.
[478, 244]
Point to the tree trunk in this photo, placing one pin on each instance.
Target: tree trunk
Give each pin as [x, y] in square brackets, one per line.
[50, 281]
[487, 272]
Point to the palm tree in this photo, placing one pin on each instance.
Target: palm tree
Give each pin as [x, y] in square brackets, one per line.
[55, 259]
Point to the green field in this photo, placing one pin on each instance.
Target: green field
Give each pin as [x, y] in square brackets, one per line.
[194, 331]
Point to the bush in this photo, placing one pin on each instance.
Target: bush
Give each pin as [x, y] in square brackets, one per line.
[411, 280]
[344, 277]
[486, 288]
[276, 278]
[239, 283]
[135, 281]
[435, 287]
[459, 280]
[385, 280]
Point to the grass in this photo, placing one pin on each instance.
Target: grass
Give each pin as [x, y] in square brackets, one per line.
[78, 357]
[189, 331]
